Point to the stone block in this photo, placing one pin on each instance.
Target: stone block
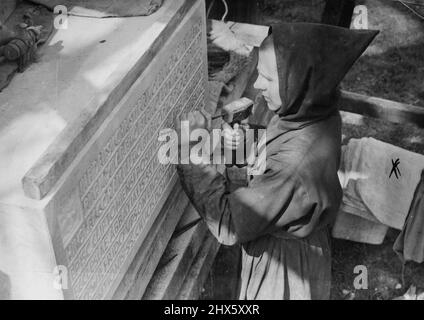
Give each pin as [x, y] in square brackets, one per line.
[98, 188]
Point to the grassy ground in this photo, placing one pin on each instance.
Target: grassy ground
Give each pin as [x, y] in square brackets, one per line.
[392, 68]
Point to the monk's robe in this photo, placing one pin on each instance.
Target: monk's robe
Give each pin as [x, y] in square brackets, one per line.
[281, 217]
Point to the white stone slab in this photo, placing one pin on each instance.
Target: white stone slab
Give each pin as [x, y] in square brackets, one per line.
[48, 113]
[107, 191]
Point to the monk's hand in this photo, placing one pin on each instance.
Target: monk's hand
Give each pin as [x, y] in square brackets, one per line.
[233, 136]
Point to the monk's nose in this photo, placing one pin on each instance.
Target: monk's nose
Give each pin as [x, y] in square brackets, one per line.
[259, 84]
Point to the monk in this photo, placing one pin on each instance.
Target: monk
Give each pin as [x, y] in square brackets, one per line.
[282, 217]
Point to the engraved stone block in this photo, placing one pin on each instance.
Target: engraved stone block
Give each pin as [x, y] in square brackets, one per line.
[102, 206]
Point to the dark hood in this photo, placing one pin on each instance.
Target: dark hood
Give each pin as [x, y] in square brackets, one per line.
[312, 59]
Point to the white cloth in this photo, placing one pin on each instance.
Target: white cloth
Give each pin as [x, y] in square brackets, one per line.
[368, 191]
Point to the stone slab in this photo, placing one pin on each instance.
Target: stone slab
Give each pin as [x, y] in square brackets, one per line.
[141, 270]
[49, 113]
[354, 228]
[187, 220]
[101, 208]
[118, 186]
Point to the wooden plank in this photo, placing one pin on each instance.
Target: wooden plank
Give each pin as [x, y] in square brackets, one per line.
[199, 271]
[175, 262]
[117, 181]
[354, 228]
[141, 270]
[186, 222]
[381, 108]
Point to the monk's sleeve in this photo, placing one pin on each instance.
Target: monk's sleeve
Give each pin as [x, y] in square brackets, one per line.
[274, 201]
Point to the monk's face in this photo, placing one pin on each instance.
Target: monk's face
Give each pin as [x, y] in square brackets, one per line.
[267, 81]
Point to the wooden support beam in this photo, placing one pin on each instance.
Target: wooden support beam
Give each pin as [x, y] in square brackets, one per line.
[175, 263]
[381, 108]
[199, 270]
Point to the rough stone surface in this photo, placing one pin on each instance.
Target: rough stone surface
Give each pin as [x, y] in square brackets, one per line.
[100, 210]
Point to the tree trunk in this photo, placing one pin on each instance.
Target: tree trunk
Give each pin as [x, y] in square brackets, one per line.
[338, 12]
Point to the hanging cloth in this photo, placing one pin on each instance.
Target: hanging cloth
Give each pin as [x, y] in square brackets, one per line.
[410, 243]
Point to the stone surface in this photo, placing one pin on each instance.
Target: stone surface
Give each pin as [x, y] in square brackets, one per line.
[124, 183]
[141, 270]
[27, 260]
[49, 113]
[109, 187]
[175, 263]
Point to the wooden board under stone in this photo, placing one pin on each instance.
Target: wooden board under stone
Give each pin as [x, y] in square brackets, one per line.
[175, 262]
[384, 109]
[187, 220]
[355, 228]
[199, 271]
[141, 270]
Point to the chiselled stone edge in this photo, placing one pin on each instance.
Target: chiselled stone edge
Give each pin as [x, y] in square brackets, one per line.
[42, 177]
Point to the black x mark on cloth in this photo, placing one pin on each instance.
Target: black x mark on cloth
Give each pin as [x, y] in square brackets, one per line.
[395, 168]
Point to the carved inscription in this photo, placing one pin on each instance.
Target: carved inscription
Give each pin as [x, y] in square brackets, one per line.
[123, 185]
